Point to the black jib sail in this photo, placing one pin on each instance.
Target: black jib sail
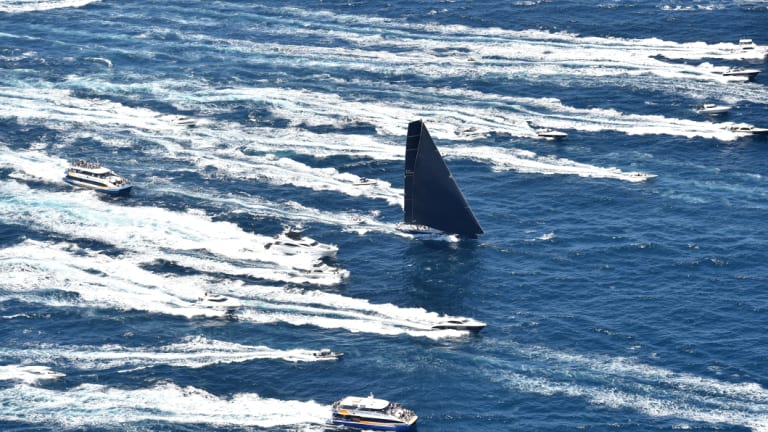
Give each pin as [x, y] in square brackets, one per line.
[432, 197]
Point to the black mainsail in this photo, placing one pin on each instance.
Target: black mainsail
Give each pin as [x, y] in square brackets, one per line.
[432, 197]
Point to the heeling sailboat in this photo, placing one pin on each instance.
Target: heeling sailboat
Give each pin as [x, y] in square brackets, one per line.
[432, 196]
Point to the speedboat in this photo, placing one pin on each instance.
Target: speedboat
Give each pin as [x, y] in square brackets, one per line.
[550, 133]
[364, 181]
[218, 302]
[92, 175]
[642, 175]
[747, 44]
[327, 354]
[750, 130]
[184, 121]
[372, 414]
[712, 109]
[741, 72]
[460, 324]
[292, 242]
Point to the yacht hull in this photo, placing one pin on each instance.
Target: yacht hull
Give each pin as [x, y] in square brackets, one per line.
[366, 425]
[111, 191]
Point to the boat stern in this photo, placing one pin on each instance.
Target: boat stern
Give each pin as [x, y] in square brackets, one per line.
[119, 191]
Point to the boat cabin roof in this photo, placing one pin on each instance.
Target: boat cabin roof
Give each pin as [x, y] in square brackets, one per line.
[97, 170]
[369, 403]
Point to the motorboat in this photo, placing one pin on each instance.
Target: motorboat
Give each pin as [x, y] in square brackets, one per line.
[468, 324]
[92, 175]
[218, 302]
[327, 354]
[750, 130]
[741, 72]
[369, 413]
[550, 133]
[364, 181]
[292, 242]
[184, 121]
[642, 175]
[747, 44]
[712, 109]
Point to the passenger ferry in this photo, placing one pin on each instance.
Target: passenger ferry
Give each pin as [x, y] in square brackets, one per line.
[92, 175]
[372, 414]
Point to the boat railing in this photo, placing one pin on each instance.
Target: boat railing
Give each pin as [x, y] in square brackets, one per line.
[399, 411]
[86, 164]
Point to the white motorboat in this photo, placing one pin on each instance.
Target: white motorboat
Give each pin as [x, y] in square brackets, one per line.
[747, 44]
[184, 121]
[642, 175]
[292, 242]
[364, 181]
[712, 109]
[369, 413]
[218, 302]
[327, 354]
[550, 133]
[468, 324]
[749, 130]
[92, 175]
[741, 72]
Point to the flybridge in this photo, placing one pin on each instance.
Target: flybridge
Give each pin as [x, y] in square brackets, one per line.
[432, 196]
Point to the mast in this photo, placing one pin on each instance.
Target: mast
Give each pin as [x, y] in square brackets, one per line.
[432, 196]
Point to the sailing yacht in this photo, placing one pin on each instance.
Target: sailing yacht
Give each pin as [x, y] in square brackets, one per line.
[433, 201]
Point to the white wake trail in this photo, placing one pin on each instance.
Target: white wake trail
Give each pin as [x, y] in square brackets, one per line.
[32, 269]
[190, 352]
[91, 405]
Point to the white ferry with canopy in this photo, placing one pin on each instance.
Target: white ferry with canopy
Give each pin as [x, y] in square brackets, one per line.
[369, 413]
[92, 175]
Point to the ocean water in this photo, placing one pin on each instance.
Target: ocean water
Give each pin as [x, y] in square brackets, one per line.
[613, 303]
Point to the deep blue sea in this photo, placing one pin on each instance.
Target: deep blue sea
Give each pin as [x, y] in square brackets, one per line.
[612, 303]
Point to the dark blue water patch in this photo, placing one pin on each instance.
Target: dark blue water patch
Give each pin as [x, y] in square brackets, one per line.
[11, 234]
[55, 324]
[21, 136]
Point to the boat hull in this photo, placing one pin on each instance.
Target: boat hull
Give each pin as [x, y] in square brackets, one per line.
[749, 74]
[551, 134]
[111, 191]
[369, 425]
[714, 109]
[471, 328]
